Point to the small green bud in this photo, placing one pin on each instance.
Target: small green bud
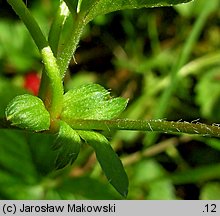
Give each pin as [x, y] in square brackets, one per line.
[28, 112]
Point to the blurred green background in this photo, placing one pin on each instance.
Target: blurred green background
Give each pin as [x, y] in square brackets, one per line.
[138, 54]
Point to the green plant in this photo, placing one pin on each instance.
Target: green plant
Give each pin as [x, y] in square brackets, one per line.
[77, 115]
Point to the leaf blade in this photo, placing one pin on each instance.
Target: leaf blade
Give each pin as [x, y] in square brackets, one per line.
[68, 143]
[108, 159]
[90, 9]
[28, 112]
[91, 101]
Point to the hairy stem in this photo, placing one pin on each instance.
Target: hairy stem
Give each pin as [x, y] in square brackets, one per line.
[57, 26]
[70, 46]
[53, 74]
[53, 39]
[150, 125]
[139, 125]
[48, 58]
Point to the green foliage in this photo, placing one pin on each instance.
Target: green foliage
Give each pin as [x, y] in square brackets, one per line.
[141, 54]
[211, 191]
[87, 187]
[16, 47]
[193, 9]
[91, 101]
[90, 9]
[28, 112]
[209, 105]
[108, 159]
[149, 174]
[17, 169]
[68, 142]
[7, 92]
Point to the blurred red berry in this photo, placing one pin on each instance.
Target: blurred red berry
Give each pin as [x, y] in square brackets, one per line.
[32, 82]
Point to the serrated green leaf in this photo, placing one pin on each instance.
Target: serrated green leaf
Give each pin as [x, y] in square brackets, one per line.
[28, 112]
[18, 170]
[91, 101]
[89, 9]
[68, 143]
[15, 158]
[108, 159]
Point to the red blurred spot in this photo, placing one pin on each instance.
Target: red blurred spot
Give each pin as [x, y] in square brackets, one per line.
[32, 82]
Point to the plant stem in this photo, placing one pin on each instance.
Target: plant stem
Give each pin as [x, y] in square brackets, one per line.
[49, 60]
[53, 39]
[53, 74]
[174, 76]
[199, 174]
[187, 49]
[198, 65]
[153, 34]
[70, 46]
[57, 26]
[150, 152]
[150, 125]
[139, 125]
[20, 8]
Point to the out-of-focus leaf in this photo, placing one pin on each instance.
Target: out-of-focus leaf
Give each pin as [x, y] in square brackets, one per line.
[28, 112]
[25, 160]
[91, 101]
[161, 190]
[208, 95]
[14, 154]
[108, 159]
[146, 171]
[7, 92]
[195, 7]
[199, 174]
[211, 191]
[148, 182]
[213, 142]
[87, 188]
[16, 47]
[24, 192]
[82, 78]
[16, 165]
[68, 143]
[41, 154]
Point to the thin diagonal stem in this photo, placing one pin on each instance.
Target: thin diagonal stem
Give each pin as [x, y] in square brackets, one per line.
[163, 104]
[49, 60]
[22, 11]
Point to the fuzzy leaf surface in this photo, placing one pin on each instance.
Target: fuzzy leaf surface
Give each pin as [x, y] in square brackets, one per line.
[89, 9]
[68, 143]
[91, 101]
[108, 159]
[28, 112]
